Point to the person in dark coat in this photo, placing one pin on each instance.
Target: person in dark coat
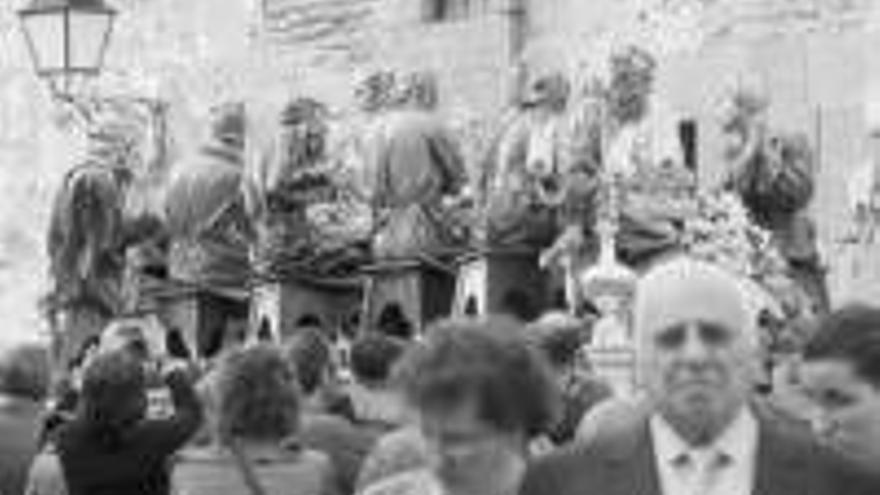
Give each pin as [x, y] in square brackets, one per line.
[109, 447]
[703, 431]
[773, 174]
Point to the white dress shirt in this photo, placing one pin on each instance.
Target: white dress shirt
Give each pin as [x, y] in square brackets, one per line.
[730, 459]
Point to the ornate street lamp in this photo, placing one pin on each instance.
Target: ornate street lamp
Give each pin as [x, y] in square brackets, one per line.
[67, 40]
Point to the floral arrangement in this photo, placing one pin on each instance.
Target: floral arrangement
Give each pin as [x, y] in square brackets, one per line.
[721, 232]
[343, 220]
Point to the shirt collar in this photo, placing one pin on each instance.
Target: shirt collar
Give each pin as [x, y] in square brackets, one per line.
[738, 441]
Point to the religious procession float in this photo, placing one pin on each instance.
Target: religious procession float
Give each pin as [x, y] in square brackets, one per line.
[382, 223]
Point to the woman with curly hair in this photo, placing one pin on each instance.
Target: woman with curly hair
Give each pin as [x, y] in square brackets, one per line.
[257, 406]
[480, 393]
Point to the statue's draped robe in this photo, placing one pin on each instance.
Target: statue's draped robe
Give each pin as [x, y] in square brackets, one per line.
[204, 213]
[777, 191]
[415, 162]
[515, 213]
[86, 242]
[89, 231]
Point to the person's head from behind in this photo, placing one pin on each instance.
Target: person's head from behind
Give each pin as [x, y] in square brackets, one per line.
[559, 336]
[310, 353]
[373, 355]
[24, 372]
[480, 392]
[257, 395]
[114, 394]
[841, 374]
[698, 352]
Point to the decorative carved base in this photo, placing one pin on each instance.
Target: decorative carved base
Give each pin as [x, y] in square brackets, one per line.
[501, 281]
[403, 296]
[207, 320]
[279, 308]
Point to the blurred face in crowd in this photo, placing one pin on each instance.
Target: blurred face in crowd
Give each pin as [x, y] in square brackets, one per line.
[848, 408]
[696, 357]
[469, 455]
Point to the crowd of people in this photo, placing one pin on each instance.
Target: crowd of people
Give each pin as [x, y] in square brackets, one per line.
[488, 406]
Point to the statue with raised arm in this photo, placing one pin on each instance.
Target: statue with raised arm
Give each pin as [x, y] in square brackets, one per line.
[772, 172]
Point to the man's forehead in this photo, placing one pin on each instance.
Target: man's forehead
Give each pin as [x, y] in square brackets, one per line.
[709, 311]
[689, 292]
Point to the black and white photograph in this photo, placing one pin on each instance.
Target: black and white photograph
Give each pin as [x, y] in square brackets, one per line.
[440, 247]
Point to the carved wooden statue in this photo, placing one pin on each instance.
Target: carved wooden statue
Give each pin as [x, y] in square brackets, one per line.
[92, 224]
[773, 174]
[417, 165]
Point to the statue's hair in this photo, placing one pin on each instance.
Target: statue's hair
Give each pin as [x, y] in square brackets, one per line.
[85, 230]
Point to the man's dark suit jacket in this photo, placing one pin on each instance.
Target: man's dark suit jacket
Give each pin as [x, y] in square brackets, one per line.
[789, 462]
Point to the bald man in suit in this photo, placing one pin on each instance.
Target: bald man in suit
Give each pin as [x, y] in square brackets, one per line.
[702, 432]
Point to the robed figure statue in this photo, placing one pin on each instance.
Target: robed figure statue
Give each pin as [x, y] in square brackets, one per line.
[773, 174]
